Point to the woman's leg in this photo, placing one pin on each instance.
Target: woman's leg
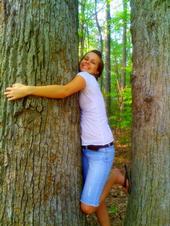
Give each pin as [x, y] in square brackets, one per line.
[102, 215]
[116, 177]
[98, 170]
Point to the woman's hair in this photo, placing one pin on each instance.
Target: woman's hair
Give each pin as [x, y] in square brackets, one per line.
[101, 64]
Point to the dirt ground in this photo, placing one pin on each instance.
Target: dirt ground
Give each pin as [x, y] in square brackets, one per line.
[117, 200]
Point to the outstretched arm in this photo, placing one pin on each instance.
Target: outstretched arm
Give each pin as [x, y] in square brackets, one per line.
[51, 91]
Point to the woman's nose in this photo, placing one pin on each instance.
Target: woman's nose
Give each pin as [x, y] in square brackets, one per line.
[87, 61]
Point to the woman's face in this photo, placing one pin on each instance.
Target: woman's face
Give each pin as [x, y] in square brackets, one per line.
[90, 63]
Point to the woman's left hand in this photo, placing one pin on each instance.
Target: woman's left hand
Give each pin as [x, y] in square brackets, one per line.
[17, 91]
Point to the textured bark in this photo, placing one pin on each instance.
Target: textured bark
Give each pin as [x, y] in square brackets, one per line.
[40, 168]
[149, 202]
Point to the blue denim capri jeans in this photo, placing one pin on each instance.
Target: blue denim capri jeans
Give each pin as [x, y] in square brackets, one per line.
[96, 168]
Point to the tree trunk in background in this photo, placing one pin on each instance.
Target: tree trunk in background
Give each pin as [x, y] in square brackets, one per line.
[107, 58]
[98, 27]
[100, 38]
[149, 202]
[40, 172]
[81, 27]
[124, 41]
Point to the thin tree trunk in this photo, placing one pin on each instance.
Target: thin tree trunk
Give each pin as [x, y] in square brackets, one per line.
[107, 58]
[100, 38]
[124, 42]
[82, 28]
[149, 202]
[40, 173]
[98, 27]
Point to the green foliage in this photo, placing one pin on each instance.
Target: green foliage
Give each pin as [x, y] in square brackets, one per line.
[113, 209]
[87, 25]
[121, 113]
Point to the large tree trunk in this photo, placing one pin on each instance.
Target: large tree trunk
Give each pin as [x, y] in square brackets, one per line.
[40, 168]
[149, 202]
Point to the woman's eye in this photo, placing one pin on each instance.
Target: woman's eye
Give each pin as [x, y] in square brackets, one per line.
[93, 62]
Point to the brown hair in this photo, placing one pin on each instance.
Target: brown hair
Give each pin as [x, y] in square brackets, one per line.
[101, 64]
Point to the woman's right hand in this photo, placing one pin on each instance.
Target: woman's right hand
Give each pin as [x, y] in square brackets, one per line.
[16, 91]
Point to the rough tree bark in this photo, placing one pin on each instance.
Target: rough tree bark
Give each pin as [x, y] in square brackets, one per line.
[40, 168]
[149, 202]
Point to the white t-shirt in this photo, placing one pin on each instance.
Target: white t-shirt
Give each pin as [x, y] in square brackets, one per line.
[94, 123]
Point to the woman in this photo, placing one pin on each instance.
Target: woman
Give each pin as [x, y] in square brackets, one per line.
[96, 136]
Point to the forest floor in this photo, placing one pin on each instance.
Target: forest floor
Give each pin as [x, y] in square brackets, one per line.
[117, 200]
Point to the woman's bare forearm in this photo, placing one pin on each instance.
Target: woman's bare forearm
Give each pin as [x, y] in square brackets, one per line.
[50, 91]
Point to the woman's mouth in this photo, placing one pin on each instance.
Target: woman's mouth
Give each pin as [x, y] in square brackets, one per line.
[85, 66]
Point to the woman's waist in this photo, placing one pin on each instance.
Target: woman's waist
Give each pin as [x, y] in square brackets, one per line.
[97, 147]
[96, 139]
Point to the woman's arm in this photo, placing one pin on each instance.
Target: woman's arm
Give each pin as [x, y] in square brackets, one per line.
[51, 91]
